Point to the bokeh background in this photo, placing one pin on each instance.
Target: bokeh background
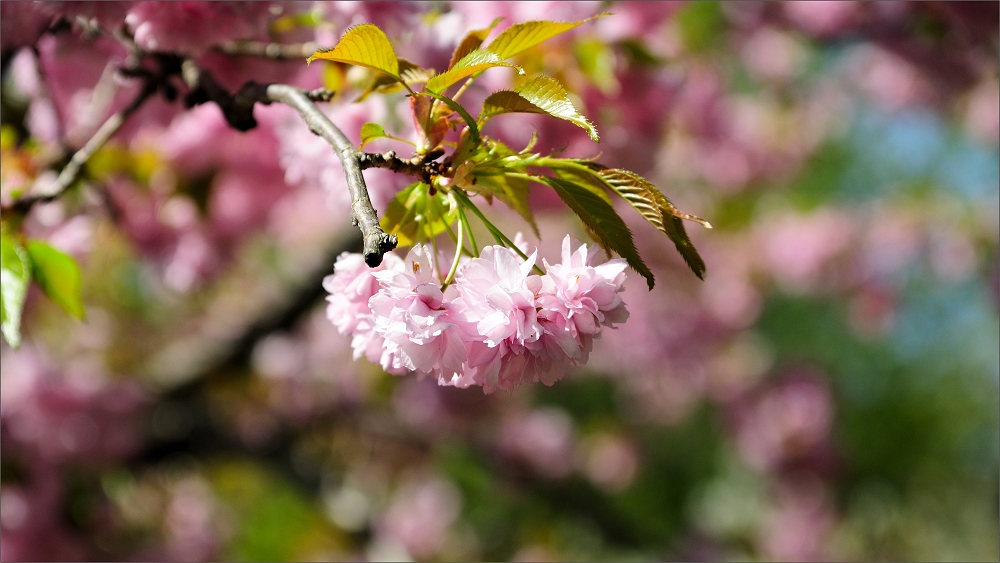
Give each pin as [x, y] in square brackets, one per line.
[829, 391]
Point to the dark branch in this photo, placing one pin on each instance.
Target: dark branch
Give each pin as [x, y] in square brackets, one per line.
[420, 166]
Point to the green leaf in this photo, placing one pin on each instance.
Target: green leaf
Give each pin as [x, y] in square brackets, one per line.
[15, 273]
[415, 215]
[58, 274]
[702, 25]
[371, 131]
[603, 221]
[363, 45]
[476, 61]
[409, 74]
[471, 42]
[658, 210]
[537, 94]
[522, 36]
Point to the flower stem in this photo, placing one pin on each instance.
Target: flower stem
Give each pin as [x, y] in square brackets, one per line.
[468, 227]
[458, 255]
[499, 236]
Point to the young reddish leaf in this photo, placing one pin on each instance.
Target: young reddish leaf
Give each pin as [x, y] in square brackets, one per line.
[431, 128]
[601, 218]
[58, 275]
[537, 94]
[522, 36]
[471, 42]
[363, 45]
[658, 210]
[15, 273]
[473, 128]
[476, 61]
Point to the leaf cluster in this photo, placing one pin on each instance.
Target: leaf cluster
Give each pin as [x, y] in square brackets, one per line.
[486, 167]
[56, 274]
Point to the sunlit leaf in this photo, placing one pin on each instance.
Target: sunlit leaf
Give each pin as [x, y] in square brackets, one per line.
[15, 273]
[409, 73]
[363, 45]
[58, 274]
[658, 210]
[476, 61]
[371, 131]
[522, 36]
[471, 42]
[602, 220]
[415, 215]
[537, 94]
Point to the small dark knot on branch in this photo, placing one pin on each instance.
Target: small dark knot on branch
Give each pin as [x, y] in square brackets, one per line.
[382, 243]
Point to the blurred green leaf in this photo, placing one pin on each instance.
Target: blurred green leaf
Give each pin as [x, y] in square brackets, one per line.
[591, 205]
[15, 273]
[597, 61]
[274, 521]
[409, 74]
[701, 25]
[58, 275]
[363, 45]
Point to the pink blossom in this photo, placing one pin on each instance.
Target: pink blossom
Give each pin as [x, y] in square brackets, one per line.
[195, 26]
[497, 325]
[411, 315]
[351, 286]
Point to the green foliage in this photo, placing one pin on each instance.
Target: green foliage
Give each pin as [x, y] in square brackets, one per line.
[657, 209]
[523, 36]
[410, 74]
[701, 24]
[58, 275]
[363, 45]
[537, 94]
[473, 63]
[415, 214]
[15, 273]
[471, 42]
[594, 208]
[371, 131]
[486, 167]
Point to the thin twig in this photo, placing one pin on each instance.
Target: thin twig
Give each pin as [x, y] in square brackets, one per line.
[421, 167]
[276, 51]
[71, 171]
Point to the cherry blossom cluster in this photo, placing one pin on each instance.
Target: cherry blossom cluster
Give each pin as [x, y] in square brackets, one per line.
[498, 324]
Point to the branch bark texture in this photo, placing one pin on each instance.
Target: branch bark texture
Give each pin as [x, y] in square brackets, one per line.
[376, 241]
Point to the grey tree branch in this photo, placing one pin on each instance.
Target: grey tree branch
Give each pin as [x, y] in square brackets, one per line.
[276, 51]
[376, 241]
